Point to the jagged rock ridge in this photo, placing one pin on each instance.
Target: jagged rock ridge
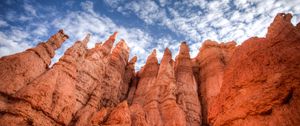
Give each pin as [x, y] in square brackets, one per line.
[256, 83]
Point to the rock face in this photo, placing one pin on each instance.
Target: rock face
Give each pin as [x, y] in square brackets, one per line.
[211, 60]
[187, 95]
[256, 83]
[261, 81]
[17, 71]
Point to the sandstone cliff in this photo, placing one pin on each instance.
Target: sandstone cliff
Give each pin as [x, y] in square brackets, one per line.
[255, 83]
[261, 81]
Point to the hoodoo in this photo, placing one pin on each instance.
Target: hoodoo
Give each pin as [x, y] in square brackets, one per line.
[256, 83]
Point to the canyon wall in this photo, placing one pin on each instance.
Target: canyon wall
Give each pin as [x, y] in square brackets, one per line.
[255, 83]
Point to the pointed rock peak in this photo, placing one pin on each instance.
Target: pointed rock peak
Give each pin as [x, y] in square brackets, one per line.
[167, 52]
[184, 47]
[133, 59]
[57, 39]
[153, 53]
[152, 57]
[113, 36]
[76, 50]
[122, 44]
[86, 39]
[109, 43]
[167, 55]
[61, 32]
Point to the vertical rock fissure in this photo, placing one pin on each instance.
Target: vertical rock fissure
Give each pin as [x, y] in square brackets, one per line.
[203, 103]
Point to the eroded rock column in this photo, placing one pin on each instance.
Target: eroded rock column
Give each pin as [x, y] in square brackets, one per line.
[20, 69]
[187, 95]
[50, 98]
[212, 59]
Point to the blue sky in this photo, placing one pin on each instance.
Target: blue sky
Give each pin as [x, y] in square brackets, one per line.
[144, 24]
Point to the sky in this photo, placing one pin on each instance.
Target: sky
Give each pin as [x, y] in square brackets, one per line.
[144, 24]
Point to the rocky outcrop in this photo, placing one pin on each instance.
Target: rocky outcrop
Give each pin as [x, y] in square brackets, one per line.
[261, 81]
[52, 93]
[211, 62]
[256, 83]
[147, 78]
[187, 95]
[17, 70]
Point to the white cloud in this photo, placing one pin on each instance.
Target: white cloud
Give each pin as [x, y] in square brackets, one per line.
[77, 24]
[3, 23]
[163, 2]
[30, 9]
[87, 5]
[13, 42]
[41, 30]
[196, 19]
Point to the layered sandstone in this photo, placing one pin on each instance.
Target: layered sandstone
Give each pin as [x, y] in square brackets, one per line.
[211, 62]
[261, 81]
[186, 94]
[17, 71]
[256, 83]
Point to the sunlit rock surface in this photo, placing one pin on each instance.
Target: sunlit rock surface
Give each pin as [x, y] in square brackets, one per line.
[256, 83]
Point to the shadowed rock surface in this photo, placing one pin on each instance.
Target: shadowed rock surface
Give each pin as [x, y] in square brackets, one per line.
[256, 83]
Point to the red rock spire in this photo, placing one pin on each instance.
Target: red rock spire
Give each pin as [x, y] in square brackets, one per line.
[108, 44]
[147, 78]
[44, 92]
[282, 28]
[86, 39]
[167, 57]
[20, 69]
[133, 60]
[187, 95]
[57, 39]
[152, 58]
[255, 83]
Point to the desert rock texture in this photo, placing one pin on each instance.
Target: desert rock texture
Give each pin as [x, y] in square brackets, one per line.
[256, 83]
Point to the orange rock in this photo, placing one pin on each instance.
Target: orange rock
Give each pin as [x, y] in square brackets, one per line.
[53, 92]
[20, 69]
[256, 83]
[138, 115]
[261, 82]
[128, 78]
[147, 78]
[212, 59]
[120, 115]
[171, 113]
[99, 117]
[187, 95]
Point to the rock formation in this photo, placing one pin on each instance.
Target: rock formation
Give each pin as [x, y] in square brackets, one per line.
[211, 60]
[187, 95]
[261, 81]
[17, 71]
[255, 83]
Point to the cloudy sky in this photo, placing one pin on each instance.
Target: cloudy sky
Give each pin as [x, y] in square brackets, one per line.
[144, 24]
